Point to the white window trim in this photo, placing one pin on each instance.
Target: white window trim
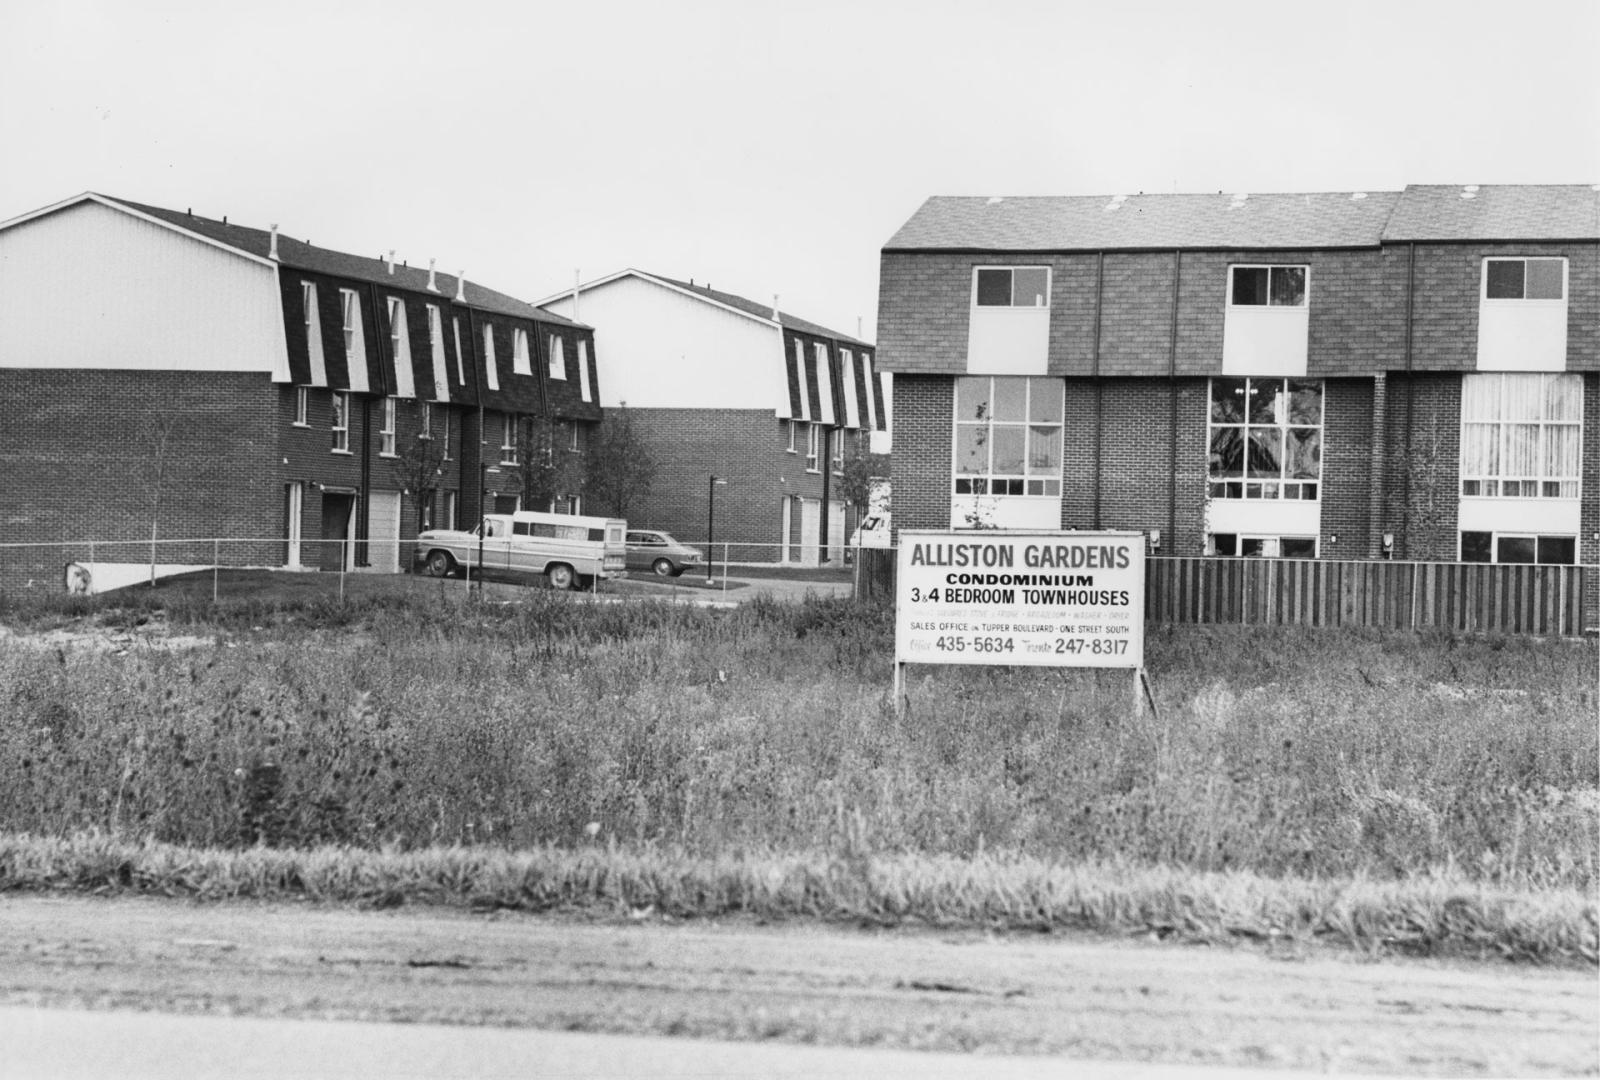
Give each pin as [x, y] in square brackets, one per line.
[491, 372]
[386, 434]
[508, 439]
[425, 428]
[1495, 536]
[813, 448]
[585, 391]
[1027, 476]
[1245, 425]
[792, 425]
[558, 358]
[341, 431]
[444, 433]
[520, 363]
[1049, 287]
[301, 396]
[1316, 544]
[350, 306]
[1462, 479]
[1305, 298]
[1523, 302]
[461, 361]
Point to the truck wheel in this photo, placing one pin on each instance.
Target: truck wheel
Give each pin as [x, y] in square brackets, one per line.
[439, 564]
[561, 576]
[662, 567]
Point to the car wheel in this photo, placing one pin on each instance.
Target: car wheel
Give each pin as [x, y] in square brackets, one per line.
[560, 576]
[439, 564]
[662, 567]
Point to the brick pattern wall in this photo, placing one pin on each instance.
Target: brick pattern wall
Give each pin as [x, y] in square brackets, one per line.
[747, 447]
[1136, 314]
[76, 466]
[1347, 469]
[920, 458]
[1589, 513]
[1424, 473]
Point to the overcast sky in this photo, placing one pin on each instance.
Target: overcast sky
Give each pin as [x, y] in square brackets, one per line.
[763, 148]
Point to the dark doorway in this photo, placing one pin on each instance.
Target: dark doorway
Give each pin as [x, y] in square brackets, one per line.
[337, 510]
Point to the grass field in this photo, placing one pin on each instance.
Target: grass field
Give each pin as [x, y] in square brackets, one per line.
[415, 721]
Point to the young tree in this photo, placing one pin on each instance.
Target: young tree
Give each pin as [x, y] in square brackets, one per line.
[545, 461]
[156, 432]
[862, 470]
[621, 467]
[417, 467]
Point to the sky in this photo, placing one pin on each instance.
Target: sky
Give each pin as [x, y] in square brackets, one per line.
[763, 148]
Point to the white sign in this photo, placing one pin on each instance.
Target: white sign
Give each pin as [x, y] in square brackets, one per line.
[1054, 599]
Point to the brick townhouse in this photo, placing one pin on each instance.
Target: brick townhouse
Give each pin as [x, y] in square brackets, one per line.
[214, 380]
[1350, 375]
[719, 385]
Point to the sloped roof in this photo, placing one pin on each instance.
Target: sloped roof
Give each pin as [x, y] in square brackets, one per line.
[1145, 222]
[299, 255]
[1496, 212]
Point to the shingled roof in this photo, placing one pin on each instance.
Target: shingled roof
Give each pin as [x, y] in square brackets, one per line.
[1249, 221]
[1496, 212]
[299, 255]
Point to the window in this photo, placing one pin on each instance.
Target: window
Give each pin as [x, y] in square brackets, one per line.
[386, 433]
[813, 446]
[308, 303]
[352, 313]
[1521, 435]
[585, 390]
[1497, 547]
[447, 519]
[558, 359]
[519, 353]
[425, 510]
[341, 422]
[838, 451]
[508, 439]
[1524, 279]
[791, 426]
[435, 330]
[1265, 439]
[300, 396]
[490, 373]
[1022, 286]
[574, 442]
[425, 431]
[1268, 286]
[444, 433]
[1008, 436]
[461, 368]
[397, 328]
[1262, 547]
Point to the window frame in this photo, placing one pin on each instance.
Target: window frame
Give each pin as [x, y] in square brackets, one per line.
[1012, 268]
[302, 397]
[1241, 538]
[813, 447]
[386, 431]
[1492, 485]
[1305, 285]
[792, 425]
[1045, 483]
[1551, 301]
[521, 363]
[1223, 485]
[508, 439]
[350, 309]
[558, 358]
[397, 327]
[444, 433]
[339, 421]
[1497, 535]
[425, 425]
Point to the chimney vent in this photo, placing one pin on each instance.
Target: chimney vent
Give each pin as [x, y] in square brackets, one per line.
[433, 279]
[272, 251]
[774, 307]
[390, 260]
[461, 285]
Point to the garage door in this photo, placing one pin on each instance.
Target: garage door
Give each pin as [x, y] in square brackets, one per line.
[836, 533]
[383, 531]
[810, 531]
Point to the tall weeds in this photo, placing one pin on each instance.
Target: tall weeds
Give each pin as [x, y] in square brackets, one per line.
[416, 723]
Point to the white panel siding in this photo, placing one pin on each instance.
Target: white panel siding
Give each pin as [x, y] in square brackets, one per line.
[1265, 340]
[1008, 341]
[1522, 335]
[658, 348]
[93, 287]
[1272, 517]
[1563, 516]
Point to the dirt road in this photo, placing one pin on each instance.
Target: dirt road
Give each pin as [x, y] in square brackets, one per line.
[1079, 998]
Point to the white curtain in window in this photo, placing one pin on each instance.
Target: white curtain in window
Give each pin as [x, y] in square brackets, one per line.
[1480, 397]
[1522, 450]
[1563, 398]
[1524, 397]
[1561, 457]
[1480, 450]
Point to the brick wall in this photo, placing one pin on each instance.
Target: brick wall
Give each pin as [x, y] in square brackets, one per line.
[1423, 482]
[1347, 469]
[77, 465]
[1589, 514]
[747, 447]
[920, 458]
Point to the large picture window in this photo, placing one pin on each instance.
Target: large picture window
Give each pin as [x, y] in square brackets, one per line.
[1524, 279]
[1265, 438]
[1008, 436]
[1518, 548]
[1521, 435]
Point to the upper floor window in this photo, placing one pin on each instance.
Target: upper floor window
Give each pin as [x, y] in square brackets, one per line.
[584, 389]
[491, 374]
[386, 432]
[444, 433]
[508, 439]
[308, 302]
[1521, 435]
[1524, 279]
[397, 327]
[573, 437]
[352, 314]
[435, 329]
[813, 446]
[1008, 436]
[790, 427]
[1021, 286]
[300, 396]
[340, 423]
[558, 359]
[519, 353]
[1265, 439]
[1268, 286]
[426, 419]
[461, 369]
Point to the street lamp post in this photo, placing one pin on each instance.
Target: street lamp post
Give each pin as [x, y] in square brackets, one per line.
[711, 527]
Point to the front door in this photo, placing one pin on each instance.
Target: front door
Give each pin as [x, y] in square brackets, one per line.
[337, 512]
[383, 531]
[810, 531]
[294, 495]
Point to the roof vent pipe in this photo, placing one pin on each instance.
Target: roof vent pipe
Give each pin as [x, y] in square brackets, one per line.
[433, 277]
[390, 260]
[575, 295]
[775, 308]
[461, 286]
[272, 250]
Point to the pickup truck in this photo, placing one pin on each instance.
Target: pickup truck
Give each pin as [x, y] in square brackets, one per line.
[565, 549]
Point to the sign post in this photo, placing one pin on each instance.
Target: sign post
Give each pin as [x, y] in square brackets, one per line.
[1037, 599]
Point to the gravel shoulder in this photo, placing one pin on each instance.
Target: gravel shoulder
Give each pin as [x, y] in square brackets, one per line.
[1095, 999]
